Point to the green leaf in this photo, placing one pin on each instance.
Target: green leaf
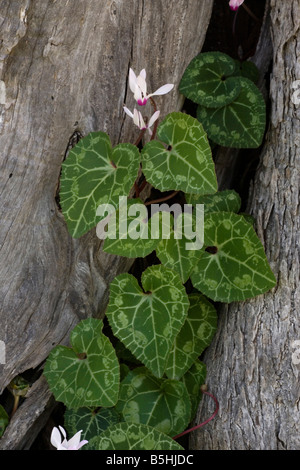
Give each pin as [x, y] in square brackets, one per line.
[208, 80]
[94, 173]
[248, 69]
[124, 369]
[193, 338]
[176, 253]
[125, 355]
[160, 403]
[193, 379]
[232, 265]
[86, 374]
[130, 436]
[240, 124]
[92, 423]
[222, 201]
[148, 321]
[249, 218]
[134, 240]
[187, 163]
[4, 420]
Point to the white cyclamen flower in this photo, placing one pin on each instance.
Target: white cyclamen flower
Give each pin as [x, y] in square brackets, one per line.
[73, 444]
[235, 4]
[138, 86]
[138, 120]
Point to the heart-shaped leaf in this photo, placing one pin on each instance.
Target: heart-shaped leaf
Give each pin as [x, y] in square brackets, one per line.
[176, 253]
[160, 403]
[91, 422]
[208, 80]
[222, 201]
[93, 174]
[86, 374]
[125, 355]
[193, 379]
[249, 218]
[232, 265]
[131, 436]
[240, 124]
[248, 69]
[148, 321]
[193, 338]
[131, 230]
[186, 164]
[124, 369]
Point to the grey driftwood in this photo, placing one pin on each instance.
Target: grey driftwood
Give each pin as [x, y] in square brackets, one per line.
[252, 363]
[63, 69]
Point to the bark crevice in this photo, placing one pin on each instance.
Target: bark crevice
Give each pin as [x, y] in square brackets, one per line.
[63, 65]
[258, 389]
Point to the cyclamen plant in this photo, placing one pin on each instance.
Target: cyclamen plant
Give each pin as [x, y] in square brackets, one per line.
[235, 4]
[140, 386]
[138, 86]
[139, 120]
[63, 444]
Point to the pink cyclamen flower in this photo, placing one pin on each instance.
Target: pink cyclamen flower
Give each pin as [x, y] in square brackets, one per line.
[73, 444]
[138, 120]
[138, 86]
[235, 4]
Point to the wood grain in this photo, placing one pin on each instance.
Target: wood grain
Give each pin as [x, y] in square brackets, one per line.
[63, 69]
[250, 362]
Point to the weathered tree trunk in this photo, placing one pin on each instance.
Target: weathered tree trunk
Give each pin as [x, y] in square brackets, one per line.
[63, 69]
[251, 367]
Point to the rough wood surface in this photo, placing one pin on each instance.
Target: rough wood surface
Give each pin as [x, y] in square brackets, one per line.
[63, 69]
[227, 159]
[251, 368]
[29, 418]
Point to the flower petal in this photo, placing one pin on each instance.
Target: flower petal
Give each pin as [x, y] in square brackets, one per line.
[142, 124]
[63, 431]
[162, 90]
[55, 438]
[136, 119]
[141, 82]
[143, 74]
[127, 111]
[75, 440]
[153, 118]
[132, 80]
[235, 4]
[138, 94]
[82, 443]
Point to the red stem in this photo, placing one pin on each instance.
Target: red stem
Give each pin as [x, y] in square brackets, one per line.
[204, 422]
[143, 184]
[137, 189]
[136, 143]
[156, 122]
[165, 198]
[250, 13]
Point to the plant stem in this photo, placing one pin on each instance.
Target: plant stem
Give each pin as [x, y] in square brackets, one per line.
[204, 422]
[137, 189]
[143, 184]
[156, 122]
[136, 143]
[16, 403]
[162, 199]
[250, 13]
